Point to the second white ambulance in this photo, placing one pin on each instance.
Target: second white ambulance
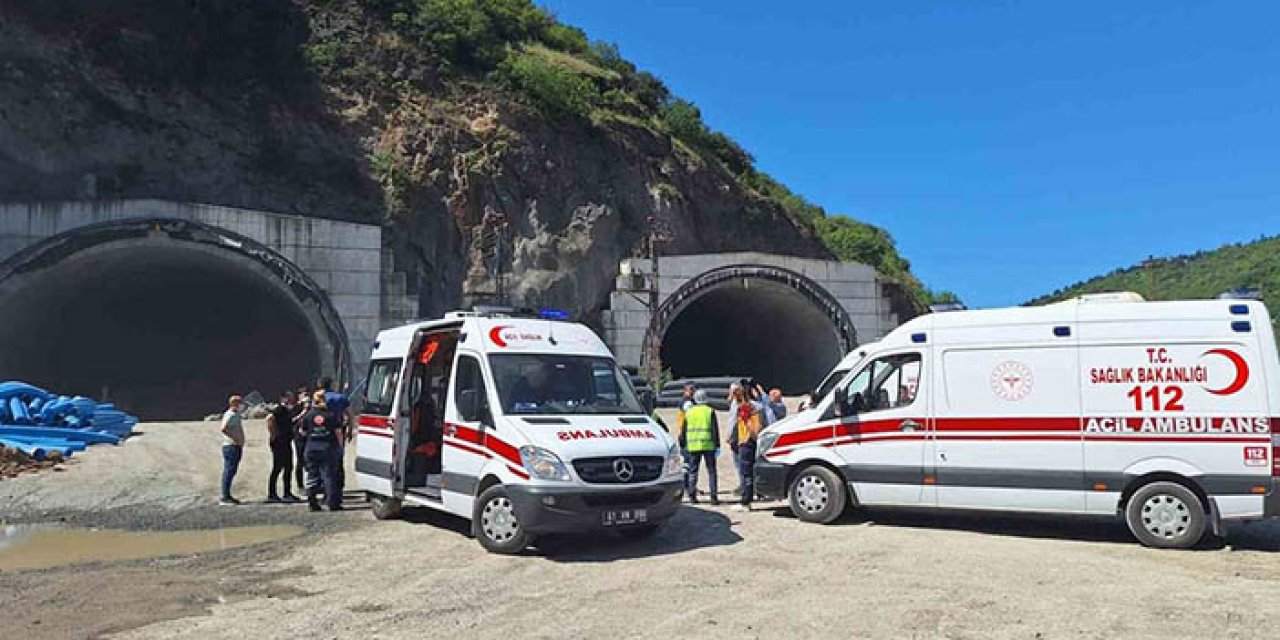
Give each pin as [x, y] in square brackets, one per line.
[1159, 412]
[523, 425]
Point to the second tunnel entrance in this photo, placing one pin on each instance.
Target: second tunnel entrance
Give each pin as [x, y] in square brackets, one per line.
[768, 323]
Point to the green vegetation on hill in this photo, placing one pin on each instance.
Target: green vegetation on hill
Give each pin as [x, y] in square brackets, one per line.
[558, 70]
[1205, 274]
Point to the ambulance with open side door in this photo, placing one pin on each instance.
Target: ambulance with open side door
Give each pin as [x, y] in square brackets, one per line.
[1157, 412]
[522, 425]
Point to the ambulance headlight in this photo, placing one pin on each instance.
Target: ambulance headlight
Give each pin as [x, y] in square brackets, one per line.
[543, 464]
[767, 441]
[675, 462]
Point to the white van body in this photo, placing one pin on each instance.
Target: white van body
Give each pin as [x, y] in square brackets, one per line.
[1101, 405]
[523, 425]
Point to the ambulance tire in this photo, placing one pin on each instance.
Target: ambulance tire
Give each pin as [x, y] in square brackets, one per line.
[1166, 515]
[384, 508]
[494, 524]
[817, 494]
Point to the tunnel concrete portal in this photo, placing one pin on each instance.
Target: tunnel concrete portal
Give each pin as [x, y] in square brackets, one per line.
[781, 320]
[155, 313]
[167, 308]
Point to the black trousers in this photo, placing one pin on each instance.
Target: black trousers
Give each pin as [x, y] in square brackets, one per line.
[299, 445]
[322, 464]
[281, 465]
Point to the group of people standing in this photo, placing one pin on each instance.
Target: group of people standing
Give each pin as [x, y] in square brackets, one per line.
[314, 425]
[750, 410]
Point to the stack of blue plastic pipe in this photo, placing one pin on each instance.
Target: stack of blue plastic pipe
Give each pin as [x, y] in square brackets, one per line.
[37, 422]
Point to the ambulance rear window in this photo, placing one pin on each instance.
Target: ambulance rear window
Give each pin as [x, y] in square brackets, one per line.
[381, 389]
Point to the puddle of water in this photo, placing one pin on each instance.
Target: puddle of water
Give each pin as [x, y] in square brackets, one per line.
[40, 547]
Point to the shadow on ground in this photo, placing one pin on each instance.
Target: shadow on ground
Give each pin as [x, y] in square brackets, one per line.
[1257, 536]
[689, 529]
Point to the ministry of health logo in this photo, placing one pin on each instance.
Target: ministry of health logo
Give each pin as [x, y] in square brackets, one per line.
[1011, 381]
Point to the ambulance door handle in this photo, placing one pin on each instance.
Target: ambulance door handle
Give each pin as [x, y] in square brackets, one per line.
[909, 425]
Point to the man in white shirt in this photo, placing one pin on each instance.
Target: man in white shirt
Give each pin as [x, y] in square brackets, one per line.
[232, 447]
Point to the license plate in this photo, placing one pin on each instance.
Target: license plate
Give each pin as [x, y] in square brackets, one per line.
[624, 516]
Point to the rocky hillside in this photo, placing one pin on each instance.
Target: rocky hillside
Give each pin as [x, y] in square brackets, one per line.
[486, 135]
[1253, 265]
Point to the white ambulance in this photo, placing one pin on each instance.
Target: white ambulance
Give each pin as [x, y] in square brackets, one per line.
[521, 424]
[1158, 412]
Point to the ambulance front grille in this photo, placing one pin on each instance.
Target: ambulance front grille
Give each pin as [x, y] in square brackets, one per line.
[605, 471]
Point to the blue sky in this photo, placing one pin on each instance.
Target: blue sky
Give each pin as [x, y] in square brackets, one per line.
[1011, 148]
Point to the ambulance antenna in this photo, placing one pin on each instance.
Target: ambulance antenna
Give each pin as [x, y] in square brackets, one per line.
[551, 316]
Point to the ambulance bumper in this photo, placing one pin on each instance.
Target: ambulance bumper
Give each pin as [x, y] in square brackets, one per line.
[542, 509]
[1271, 503]
[771, 480]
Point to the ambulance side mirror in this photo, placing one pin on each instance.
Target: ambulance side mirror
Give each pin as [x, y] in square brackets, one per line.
[469, 405]
[842, 402]
[847, 405]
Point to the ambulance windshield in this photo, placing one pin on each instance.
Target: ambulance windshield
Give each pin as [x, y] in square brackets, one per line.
[540, 384]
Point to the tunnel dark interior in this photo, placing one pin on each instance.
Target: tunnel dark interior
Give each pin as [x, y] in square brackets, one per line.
[755, 328]
[165, 330]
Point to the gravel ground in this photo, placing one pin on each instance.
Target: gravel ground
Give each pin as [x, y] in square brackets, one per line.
[710, 573]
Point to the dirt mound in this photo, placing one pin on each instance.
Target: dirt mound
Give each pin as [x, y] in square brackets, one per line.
[14, 462]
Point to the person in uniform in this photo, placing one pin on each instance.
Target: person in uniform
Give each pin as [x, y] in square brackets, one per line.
[323, 431]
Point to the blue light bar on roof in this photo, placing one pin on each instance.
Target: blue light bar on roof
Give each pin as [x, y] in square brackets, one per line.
[553, 314]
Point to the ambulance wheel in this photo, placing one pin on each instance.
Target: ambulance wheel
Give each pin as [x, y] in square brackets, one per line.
[817, 494]
[1166, 515]
[494, 522]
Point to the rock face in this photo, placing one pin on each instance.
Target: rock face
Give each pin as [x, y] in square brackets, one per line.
[319, 109]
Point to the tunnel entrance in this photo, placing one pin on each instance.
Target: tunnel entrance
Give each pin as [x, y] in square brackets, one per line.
[763, 322]
[160, 323]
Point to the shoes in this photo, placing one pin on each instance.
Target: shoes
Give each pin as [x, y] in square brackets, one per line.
[337, 507]
[289, 497]
[228, 501]
[313, 505]
[693, 499]
[740, 507]
[274, 500]
[715, 502]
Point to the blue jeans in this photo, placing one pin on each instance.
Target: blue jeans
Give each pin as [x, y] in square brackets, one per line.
[230, 465]
[747, 470]
[691, 478]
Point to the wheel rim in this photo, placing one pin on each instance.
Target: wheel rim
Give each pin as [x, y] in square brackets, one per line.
[1166, 516]
[498, 520]
[812, 494]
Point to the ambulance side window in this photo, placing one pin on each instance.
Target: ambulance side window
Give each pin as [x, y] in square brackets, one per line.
[891, 382]
[470, 395]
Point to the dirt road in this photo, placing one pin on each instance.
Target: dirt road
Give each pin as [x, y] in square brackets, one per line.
[710, 573]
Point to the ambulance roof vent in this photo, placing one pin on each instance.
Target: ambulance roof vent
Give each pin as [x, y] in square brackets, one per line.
[1109, 297]
[943, 307]
[1241, 293]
